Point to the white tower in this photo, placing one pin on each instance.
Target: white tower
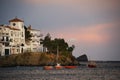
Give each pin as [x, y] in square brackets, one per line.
[18, 24]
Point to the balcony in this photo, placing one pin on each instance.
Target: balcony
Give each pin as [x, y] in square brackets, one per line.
[4, 34]
[5, 40]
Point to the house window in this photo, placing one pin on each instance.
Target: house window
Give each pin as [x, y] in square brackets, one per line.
[7, 39]
[11, 33]
[7, 33]
[6, 44]
[14, 24]
[11, 40]
[22, 34]
[17, 50]
[3, 38]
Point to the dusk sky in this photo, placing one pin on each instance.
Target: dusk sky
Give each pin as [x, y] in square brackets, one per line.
[91, 25]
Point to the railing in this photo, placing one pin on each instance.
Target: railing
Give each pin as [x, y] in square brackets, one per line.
[4, 40]
[4, 33]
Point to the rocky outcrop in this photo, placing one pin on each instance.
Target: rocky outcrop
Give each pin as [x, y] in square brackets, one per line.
[82, 58]
[36, 59]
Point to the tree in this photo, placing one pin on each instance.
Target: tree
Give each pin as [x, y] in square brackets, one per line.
[62, 44]
[46, 42]
[27, 34]
[57, 42]
[52, 45]
[71, 48]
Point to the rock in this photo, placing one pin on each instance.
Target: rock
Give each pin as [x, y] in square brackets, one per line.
[36, 59]
[82, 58]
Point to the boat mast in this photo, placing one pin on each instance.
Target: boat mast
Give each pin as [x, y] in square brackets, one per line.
[57, 54]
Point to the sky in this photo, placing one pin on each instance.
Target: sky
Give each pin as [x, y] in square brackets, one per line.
[91, 25]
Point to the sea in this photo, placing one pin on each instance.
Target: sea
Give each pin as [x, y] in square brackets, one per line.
[105, 70]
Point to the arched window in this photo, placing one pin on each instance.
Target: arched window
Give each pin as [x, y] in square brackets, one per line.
[14, 24]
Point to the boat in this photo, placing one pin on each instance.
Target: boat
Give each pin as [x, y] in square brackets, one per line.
[58, 66]
[92, 64]
[48, 67]
[70, 67]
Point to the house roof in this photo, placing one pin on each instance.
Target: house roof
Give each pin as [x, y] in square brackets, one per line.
[30, 28]
[33, 30]
[12, 28]
[16, 20]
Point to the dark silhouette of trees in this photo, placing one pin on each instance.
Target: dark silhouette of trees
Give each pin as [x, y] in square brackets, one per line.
[46, 42]
[51, 45]
[27, 34]
[71, 48]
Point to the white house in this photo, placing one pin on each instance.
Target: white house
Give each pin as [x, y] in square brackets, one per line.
[12, 38]
[34, 44]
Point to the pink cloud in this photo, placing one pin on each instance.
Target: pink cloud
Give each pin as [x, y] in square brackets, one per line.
[82, 7]
[101, 33]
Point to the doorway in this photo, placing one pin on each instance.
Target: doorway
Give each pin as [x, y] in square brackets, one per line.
[6, 52]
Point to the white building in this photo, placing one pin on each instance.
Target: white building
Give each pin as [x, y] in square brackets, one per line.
[34, 44]
[12, 38]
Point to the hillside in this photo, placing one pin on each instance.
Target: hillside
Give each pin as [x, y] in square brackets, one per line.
[36, 59]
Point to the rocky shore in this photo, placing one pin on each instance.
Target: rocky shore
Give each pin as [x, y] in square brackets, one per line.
[36, 59]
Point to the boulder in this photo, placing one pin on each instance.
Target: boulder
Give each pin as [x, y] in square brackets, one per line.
[82, 58]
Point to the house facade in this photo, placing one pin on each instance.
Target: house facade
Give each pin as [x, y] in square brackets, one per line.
[12, 38]
[34, 44]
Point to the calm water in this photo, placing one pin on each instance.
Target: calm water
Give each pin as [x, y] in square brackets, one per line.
[104, 71]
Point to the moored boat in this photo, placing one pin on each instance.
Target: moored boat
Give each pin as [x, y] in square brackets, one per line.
[92, 64]
[58, 66]
[48, 67]
[70, 67]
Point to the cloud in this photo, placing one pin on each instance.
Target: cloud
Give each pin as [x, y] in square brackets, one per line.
[99, 34]
[84, 3]
[74, 11]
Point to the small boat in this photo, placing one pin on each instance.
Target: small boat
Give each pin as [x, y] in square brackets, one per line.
[48, 67]
[58, 66]
[70, 67]
[92, 64]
